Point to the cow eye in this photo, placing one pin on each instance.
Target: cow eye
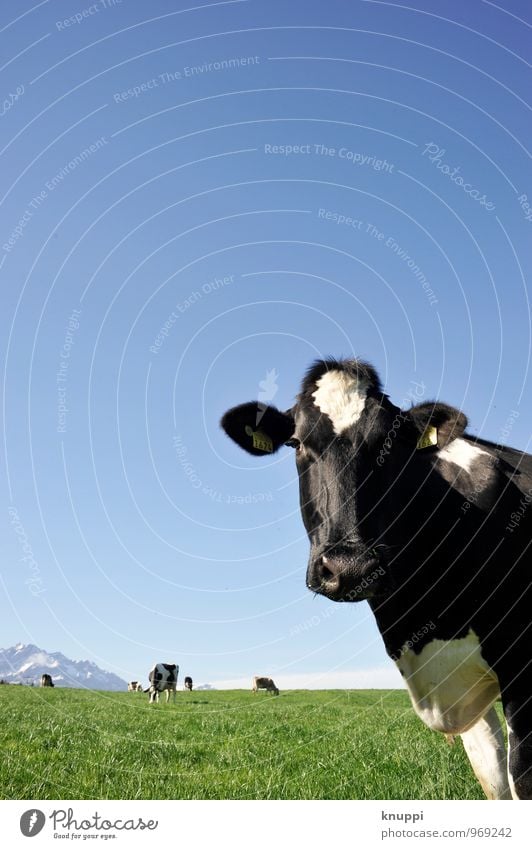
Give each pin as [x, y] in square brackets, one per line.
[294, 443]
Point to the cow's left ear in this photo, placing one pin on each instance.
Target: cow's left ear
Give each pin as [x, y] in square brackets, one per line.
[437, 424]
[257, 428]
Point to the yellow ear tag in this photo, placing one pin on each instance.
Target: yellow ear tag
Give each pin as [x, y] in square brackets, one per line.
[428, 438]
[261, 441]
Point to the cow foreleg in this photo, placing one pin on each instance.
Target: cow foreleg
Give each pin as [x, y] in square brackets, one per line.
[484, 744]
[519, 747]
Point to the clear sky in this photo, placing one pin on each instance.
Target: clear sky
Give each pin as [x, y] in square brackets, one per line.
[197, 201]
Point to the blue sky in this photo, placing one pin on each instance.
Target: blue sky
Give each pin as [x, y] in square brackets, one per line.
[197, 201]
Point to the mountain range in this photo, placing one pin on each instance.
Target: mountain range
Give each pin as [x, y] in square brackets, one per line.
[24, 664]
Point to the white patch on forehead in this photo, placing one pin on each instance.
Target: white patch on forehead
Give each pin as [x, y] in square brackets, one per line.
[341, 397]
[462, 453]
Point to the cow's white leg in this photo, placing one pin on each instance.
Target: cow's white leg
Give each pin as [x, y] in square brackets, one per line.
[484, 744]
[517, 711]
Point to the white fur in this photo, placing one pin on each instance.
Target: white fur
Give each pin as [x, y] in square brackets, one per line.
[341, 397]
[462, 453]
[484, 744]
[510, 777]
[450, 684]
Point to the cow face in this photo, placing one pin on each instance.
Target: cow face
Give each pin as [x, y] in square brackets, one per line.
[360, 459]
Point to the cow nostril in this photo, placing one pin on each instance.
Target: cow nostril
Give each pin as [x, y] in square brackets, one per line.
[326, 573]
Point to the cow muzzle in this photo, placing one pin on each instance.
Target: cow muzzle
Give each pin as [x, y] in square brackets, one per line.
[345, 575]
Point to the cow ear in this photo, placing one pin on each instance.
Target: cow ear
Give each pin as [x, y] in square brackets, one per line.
[437, 424]
[257, 428]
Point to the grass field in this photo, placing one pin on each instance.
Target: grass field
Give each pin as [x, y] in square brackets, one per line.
[334, 744]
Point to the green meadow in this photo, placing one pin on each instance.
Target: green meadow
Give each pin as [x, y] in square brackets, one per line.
[304, 744]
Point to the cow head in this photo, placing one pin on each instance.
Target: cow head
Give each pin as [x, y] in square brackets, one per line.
[362, 462]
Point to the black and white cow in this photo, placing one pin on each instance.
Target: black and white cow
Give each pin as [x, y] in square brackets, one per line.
[268, 684]
[163, 677]
[432, 526]
[135, 687]
[188, 683]
[46, 680]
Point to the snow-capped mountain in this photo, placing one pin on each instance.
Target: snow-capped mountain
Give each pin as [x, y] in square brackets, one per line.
[25, 664]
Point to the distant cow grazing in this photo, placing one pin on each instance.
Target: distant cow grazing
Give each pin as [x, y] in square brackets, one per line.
[46, 680]
[432, 526]
[264, 684]
[134, 687]
[188, 683]
[163, 677]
